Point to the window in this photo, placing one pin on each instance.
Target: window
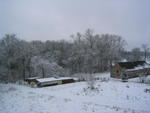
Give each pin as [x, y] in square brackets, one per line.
[117, 71]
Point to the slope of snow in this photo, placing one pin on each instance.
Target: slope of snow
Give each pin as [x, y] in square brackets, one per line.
[108, 97]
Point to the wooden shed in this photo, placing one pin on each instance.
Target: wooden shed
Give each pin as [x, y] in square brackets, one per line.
[31, 79]
[130, 69]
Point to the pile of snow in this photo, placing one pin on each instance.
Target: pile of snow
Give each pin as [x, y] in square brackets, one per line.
[109, 97]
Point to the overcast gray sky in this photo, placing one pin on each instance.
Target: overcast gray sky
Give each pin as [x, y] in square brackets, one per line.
[58, 19]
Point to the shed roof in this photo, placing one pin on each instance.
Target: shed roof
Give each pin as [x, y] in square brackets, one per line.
[53, 79]
[145, 66]
[131, 65]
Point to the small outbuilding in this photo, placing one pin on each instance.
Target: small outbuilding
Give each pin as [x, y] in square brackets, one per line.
[130, 69]
[41, 82]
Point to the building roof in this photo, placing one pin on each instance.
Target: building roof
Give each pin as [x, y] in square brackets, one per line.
[131, 65]
[145, 66]
[51, 79]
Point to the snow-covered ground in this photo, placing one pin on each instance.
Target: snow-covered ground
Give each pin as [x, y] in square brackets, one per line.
[111, 96]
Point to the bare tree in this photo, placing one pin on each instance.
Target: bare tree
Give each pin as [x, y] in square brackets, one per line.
[136, 54]
[146, 50]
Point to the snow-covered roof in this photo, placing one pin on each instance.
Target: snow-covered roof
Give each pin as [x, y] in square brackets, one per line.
[33, 78]
[145, 66]
[53, 79]
[46, 79]
[131, 65]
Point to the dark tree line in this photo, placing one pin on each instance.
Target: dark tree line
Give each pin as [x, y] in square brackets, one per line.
[87, 53]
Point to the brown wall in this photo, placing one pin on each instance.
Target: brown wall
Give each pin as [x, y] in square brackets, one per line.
[116, 71]
[136, 73]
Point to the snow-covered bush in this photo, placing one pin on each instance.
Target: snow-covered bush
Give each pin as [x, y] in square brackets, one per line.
[91, 81]
[80, 76]
[33, 84]
[142, 78]
[103, 79]
[147, 80]
[89, 78]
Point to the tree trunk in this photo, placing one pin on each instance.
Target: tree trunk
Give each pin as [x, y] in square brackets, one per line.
[29, 69]
[43, 73]
[23, 71]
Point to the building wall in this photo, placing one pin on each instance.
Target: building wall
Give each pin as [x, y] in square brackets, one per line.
[59, 82]
[116, 71]
[147, 70]
[136, 73]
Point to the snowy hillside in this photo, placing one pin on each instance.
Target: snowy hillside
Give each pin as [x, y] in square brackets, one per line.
[111, 96]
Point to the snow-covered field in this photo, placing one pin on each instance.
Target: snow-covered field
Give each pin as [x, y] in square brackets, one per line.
[111, 96]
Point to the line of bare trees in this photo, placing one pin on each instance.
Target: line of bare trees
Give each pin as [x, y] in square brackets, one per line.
[87, 53]
[138, 53]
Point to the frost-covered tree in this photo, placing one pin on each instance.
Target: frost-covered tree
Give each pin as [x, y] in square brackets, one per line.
[94, 52]
[44, 68]
[76, 57]
[10, 50]
[87, 53]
